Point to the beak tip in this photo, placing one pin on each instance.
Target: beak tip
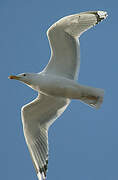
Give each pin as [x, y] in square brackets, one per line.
[10, 77]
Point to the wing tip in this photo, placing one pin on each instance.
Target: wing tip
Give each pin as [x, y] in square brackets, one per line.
[101, 15]
[41, 176]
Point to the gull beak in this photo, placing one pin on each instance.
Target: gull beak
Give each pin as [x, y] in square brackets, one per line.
[14, 77]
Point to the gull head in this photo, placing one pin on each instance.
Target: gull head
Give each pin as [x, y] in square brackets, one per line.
[27, 78]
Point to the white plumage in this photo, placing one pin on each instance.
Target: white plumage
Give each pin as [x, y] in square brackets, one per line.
[57, 85]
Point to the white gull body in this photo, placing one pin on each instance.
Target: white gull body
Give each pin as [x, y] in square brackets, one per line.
[57, 85]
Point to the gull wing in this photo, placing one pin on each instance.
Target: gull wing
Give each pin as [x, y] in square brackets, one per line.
[65, 50]
[37, 116]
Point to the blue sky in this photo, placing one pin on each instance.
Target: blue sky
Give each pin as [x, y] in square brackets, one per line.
[83, 141]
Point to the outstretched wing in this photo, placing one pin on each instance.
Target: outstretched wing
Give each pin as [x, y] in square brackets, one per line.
[65, 51]
[37, 116]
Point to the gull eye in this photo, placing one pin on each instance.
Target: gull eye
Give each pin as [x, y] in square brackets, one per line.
[24, 74]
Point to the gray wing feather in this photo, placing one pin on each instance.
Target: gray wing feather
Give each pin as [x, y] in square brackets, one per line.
[37, 117]
[65, 50]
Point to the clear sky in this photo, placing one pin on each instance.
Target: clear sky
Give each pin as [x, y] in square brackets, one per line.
[83, 141]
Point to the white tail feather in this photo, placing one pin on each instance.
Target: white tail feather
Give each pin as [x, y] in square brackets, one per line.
[92, 96]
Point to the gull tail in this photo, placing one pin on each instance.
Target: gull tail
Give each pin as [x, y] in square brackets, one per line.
[92, 96]
[94, 101]
[89, 95]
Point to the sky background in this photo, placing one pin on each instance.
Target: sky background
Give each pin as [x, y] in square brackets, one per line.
[83, 141]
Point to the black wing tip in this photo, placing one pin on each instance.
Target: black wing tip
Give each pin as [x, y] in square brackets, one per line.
[44, 169]
[101, 15]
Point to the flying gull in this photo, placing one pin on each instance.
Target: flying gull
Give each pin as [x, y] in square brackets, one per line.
[57, 85]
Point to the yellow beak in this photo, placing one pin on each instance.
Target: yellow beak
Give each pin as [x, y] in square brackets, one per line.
[13, 77]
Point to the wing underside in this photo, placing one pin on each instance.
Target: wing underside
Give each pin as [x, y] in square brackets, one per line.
[65, 56]
[37, 117]
[65, 50]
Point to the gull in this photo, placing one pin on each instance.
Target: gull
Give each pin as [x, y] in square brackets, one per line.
[57, 85]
